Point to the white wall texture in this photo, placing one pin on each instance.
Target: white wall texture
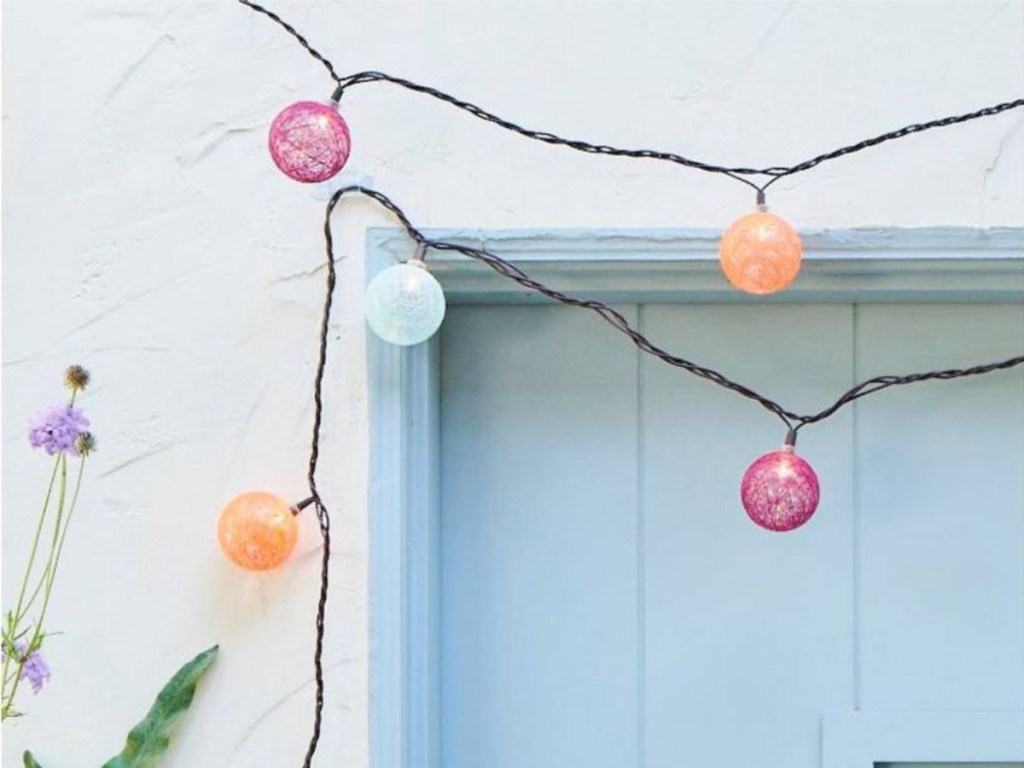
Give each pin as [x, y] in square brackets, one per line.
[147, 236]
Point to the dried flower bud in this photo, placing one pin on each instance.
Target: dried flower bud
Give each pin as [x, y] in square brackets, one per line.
[77, 378]
[85, 443]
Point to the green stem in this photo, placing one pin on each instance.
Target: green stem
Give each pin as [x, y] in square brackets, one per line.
[63, 462]
[7, 681]
[44, 578]
[56, 538]
[18, 615]
[35, 592]
[13, 679]
[50, 572]
[67, 523]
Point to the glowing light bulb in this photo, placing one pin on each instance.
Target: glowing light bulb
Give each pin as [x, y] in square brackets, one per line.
[760, 253]
[257, 531]
[405, 304]
[309, 141]
[780, 490]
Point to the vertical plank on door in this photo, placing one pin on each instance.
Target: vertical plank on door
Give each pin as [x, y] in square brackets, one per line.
[748, 633]
[538, 582]
[942, 510]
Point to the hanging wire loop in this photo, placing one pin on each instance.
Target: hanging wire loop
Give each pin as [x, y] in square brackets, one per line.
[736, 173]
[765, 177]
[792, 420]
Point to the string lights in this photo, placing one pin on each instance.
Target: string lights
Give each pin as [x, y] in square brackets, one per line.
[309, 141]
[257, 531]
[760, 253]
[780, 490]
[404, 303]
[761, 267]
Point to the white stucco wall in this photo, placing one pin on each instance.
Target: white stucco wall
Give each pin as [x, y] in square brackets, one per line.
[147, 236]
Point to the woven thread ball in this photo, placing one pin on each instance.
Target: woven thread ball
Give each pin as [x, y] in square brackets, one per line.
[257, 531]
[309, 141]
[760, 253]
[780, 491]
[405, 304]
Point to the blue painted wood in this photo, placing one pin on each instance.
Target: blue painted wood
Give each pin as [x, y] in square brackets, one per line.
[404, 563]
[538, 595]
[406, 706]
[916, 265]
[960, 739]
[748, 633]
[692, 244]
[941, 512]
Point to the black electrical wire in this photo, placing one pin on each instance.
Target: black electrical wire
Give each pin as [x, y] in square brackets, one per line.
[737, 173]
[792, 420]
[294, 33]
[322, 513]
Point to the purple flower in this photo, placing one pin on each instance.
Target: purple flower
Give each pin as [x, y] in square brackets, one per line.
[36, 671]
[57, 429]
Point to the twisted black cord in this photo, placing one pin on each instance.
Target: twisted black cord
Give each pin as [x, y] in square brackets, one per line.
[322, 514]
[294, 33]
[737, 173]
[544, 136]
[878, 383]
[791, 419]
[897, 134]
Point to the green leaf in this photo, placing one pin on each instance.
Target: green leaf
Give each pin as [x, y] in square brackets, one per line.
[148, 740]
[30, 762]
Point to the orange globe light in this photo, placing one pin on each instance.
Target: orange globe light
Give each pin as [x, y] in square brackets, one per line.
[257, 531]
[760, 253]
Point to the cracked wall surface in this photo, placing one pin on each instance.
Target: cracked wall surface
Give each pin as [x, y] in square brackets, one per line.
[147, 236]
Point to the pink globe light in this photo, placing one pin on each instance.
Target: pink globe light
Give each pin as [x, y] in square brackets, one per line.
[780, 490]
[309, 141]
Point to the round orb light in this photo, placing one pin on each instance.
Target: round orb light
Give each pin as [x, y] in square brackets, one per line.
[309, 141]
[780, 490]
[405, 304]
[257, 531]
[760, 253]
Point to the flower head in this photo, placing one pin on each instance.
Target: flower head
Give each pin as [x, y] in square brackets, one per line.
[58, 429]
[85, 444]
[77, 378]
[35, 669]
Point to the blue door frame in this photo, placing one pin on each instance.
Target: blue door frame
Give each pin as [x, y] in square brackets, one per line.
[909, 265]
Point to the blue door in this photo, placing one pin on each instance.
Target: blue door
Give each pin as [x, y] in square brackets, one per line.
[604, 601]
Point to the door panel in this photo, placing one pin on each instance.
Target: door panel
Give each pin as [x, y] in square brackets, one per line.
[606, 602]
[538, 540]
[942, 511]
[748, 632]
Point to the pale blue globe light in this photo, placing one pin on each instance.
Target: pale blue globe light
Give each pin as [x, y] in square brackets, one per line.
[404, 304]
